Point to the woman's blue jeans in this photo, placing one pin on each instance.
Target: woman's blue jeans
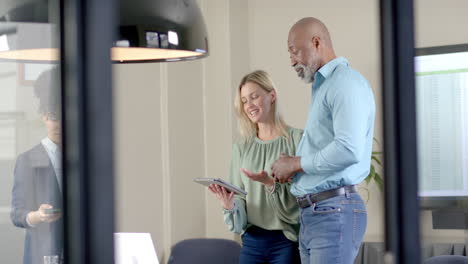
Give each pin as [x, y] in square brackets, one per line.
[267, 246]
[332, 230]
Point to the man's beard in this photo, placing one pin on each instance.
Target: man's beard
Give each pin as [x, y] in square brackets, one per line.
[306, 73]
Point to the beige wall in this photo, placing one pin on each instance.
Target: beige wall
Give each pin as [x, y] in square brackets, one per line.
[440, 22]
[218, 69]
[175, 122]
[139, 157]
[160, 148]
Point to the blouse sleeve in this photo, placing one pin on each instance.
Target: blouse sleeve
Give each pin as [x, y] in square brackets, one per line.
[236, 219]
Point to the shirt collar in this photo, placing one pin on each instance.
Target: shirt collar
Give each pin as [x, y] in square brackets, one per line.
[49, 144]
[327, 69]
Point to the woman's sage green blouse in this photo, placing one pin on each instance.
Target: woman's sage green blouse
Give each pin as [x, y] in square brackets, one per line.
[271, 209]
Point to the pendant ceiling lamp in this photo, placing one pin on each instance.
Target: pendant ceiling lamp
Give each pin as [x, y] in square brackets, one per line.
[148, 31]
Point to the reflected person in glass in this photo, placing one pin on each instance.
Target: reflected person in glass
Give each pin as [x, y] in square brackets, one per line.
[267, 218]
[37, 191]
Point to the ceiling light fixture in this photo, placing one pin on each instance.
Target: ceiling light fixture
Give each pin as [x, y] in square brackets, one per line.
[149, 31]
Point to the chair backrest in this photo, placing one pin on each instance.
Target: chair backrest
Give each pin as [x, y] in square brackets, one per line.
[206, 251]
[447, 259]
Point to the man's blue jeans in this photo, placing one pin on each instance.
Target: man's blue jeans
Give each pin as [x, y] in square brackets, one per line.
[332, 230]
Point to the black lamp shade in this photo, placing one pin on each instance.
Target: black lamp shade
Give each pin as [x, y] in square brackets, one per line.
[163, 30]
[148, 31]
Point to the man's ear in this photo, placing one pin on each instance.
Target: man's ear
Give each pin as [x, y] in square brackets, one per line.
[316, 41]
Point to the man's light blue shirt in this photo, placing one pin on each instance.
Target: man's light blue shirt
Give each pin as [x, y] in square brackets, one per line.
[336, 146]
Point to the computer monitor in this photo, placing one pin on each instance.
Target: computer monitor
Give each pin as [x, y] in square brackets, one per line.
[134, 248]
[442, 122]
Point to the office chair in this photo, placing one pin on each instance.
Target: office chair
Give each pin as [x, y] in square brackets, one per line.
[447, 259]
[205, 251]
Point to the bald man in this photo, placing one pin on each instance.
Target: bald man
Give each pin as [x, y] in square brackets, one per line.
[335, 150]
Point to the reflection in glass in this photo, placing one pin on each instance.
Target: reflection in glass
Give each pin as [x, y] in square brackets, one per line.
[442, 122]
[37, 189]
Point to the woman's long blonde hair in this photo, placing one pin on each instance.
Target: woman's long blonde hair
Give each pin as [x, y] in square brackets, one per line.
[247, 128]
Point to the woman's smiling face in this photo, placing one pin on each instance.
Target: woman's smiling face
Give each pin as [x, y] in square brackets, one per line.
[257, 102]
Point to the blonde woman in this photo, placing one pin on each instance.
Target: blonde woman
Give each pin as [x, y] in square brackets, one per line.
[267, 218]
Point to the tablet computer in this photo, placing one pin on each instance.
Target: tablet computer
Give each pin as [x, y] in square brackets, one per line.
[218, 181]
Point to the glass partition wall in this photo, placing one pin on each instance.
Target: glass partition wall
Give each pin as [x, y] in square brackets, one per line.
[56, 132]
[441, 71]
[56, 197]
[31, 178]
[425, 83]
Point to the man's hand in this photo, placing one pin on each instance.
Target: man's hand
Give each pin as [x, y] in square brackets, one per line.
[260, 177]
[41, 216]
[285, 167]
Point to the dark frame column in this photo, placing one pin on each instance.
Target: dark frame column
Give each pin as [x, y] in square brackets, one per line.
[401, 174]
[87, 32]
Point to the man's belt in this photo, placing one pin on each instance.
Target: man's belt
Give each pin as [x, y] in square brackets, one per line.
[309, 199]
